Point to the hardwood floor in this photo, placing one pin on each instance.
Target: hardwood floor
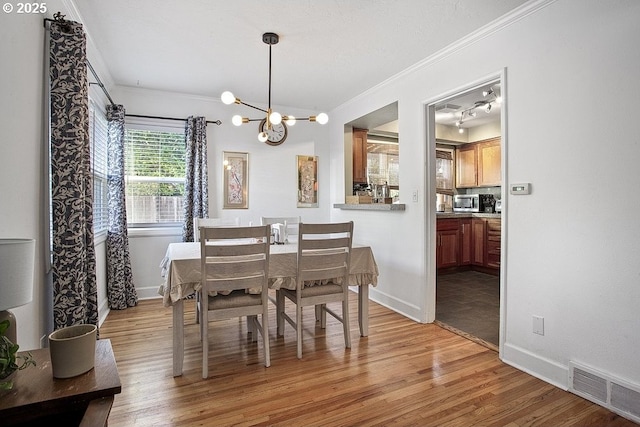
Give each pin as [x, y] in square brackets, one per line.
[403, 374]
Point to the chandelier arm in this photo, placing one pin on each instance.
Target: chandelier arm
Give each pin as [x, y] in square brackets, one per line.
[256, 108]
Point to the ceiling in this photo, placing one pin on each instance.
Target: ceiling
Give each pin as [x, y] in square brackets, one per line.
[329, 51]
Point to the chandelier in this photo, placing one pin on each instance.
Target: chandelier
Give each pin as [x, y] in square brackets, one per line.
[272, 129]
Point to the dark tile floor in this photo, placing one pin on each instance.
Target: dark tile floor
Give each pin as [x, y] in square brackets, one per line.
[470, 302]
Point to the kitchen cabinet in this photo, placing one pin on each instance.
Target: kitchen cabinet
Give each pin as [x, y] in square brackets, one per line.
[489, 170]
[465, 241]
[479, 164]
[479, 240]
[471, 242]
[447, 243]
[466, 166]
[493, 243]
[359, 156]
[486, 243]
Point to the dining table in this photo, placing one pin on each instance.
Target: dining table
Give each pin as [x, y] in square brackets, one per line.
[180, 269]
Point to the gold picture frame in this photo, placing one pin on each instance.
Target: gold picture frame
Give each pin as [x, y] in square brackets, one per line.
[307, 167]
[235, 180]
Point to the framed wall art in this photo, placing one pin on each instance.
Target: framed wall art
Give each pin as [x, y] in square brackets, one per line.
[307, 181]
[236, 180]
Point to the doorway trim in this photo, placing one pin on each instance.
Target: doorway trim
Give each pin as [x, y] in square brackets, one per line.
[430, 212]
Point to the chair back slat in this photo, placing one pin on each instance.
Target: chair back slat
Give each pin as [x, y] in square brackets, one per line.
[339, 242]
[228, 284]
[235, 268]
[241, 247]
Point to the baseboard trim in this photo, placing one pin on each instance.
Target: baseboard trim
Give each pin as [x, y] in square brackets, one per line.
[539, 367]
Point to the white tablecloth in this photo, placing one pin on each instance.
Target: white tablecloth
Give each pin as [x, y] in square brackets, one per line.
[180, 269]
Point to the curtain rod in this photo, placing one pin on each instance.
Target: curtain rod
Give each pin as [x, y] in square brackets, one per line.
[59, 19]
[215, 122]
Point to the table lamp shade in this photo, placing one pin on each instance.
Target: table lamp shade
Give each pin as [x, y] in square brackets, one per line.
[16, 272]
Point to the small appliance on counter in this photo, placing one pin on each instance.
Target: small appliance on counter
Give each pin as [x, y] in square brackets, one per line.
[498, 206]
[473, 203]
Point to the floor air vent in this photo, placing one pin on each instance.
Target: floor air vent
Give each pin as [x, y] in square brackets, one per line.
[605, 390]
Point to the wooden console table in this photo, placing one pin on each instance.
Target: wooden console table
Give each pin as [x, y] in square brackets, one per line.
[39, 399]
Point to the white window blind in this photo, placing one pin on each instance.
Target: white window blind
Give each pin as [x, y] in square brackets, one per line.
[98, 140]
[154, 176]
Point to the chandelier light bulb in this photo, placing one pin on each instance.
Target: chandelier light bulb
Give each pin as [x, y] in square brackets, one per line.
[322, 118]
[262, 137]
[290, 120]
[236, 120]
[227, 98]
[275, 118]
[499, 99]
[461, 130]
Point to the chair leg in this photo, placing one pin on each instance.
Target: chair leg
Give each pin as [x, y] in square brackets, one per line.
[197, 307]
[265, 337]
[323, 316]
[253, 327]
[345, 320]
[204, 336]
[279, 311]
[299, 329]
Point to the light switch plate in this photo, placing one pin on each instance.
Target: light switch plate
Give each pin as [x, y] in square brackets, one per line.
[517, 189]
[538, 325]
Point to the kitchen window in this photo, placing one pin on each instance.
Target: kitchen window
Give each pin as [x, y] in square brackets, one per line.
[383, 162]
[154, 175]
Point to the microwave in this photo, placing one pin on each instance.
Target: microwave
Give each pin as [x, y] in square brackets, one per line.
[473, 203]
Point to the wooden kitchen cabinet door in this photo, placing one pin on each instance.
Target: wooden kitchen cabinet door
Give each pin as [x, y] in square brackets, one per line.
[479, 240]
[465, 242]
[489, 163]
[447, 243]
[466, 166]
[359, 156]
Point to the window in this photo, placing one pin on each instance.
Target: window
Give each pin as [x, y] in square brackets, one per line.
[98, 140]
[382, 163]
[154, 175]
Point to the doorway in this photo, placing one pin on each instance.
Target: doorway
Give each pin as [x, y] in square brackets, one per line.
[468, 275]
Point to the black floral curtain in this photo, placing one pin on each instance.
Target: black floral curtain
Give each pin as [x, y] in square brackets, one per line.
[196, 199]
[121, 292]
[73, 268]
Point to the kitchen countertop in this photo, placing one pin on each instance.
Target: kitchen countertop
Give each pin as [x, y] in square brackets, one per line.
[443, 215]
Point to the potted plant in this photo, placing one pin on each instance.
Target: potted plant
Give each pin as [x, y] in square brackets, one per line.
[8, 358]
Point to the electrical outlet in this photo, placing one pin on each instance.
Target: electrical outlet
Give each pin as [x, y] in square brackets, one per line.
[414, 196]
[538, 325]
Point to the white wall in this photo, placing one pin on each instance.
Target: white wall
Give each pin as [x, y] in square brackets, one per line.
[571, 247]
[21, 201]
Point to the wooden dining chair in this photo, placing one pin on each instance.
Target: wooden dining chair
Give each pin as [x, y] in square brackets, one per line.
[324, 257]
[234, 278]
[290, 223]
[212, 222]
[209, 222]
